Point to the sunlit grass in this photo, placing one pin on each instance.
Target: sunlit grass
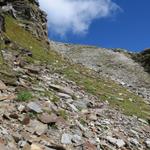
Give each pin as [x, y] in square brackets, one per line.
[104, 89]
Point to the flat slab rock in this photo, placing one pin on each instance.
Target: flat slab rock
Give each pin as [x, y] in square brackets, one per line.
[8, 97]
[48, 118]
[33, 69]
[63, 95]
[62, 89]
[37, 127]
[66, 139]
[118, 142]
[33, 106]
[69, 138]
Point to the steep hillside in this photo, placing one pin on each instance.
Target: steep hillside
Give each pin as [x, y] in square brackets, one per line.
[113, 63]
[47, 102]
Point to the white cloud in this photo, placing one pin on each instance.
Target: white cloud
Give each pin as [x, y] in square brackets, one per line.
[75, 15]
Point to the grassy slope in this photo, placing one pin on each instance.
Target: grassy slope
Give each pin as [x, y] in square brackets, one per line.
[6, 73]
[105, 89]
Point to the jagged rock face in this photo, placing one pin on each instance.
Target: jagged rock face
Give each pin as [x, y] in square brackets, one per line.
[144, 59]
[28, 12]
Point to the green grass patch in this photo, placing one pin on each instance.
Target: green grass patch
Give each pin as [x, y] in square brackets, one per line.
[24, 96]
[26, 40]
[52, 97]
[7, 75]
[107, 90]
[63, 114]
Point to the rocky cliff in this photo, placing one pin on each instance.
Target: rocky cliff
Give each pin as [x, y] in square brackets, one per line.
[51, 102]
[28, 13]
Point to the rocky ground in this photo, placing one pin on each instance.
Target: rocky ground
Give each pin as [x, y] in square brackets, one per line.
[114, 63]
[48, 102]
[61, 116]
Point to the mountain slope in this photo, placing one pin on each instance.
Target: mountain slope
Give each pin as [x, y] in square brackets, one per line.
[91, 81]
[48, 102]
[112, 63]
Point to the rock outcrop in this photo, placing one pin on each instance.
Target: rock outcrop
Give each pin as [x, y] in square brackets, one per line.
[28, 13]
[143, 58]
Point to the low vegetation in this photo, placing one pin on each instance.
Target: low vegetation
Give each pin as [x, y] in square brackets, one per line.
[52, 97]
[24, 96]
[63, 114]
[105, 89]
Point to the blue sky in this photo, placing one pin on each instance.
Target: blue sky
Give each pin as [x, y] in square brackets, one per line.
[119, 24]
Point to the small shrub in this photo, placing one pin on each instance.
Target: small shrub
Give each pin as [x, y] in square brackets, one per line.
[24, 96]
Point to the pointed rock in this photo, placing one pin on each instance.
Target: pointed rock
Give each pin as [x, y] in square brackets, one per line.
[2, 85]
